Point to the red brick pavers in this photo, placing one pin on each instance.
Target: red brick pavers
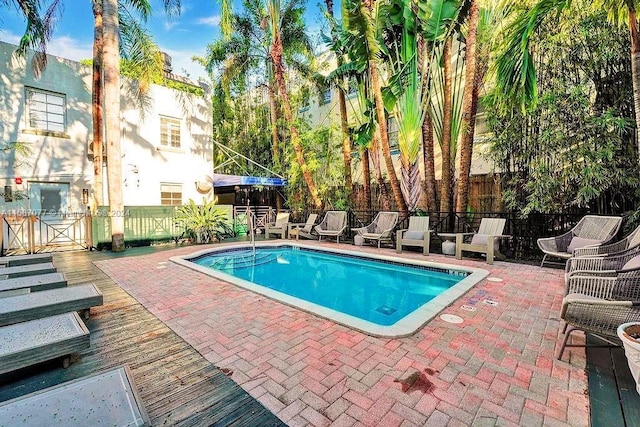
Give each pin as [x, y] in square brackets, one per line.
[498, 367]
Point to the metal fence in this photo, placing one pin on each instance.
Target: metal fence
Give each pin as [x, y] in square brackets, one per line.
[524, 231]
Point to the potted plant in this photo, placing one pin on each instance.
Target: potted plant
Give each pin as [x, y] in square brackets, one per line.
[629, 333]
[205, 223]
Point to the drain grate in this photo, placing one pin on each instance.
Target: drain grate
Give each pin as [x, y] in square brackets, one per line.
[386, 310]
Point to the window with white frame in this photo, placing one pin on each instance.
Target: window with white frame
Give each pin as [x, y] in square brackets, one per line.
[392, 132]
[169, 132]
[170, 194]
[46, 110]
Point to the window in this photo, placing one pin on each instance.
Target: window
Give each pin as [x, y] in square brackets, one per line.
[325, 97]
[392, 133]
[171, 194]
[46, 110]
[169, 132]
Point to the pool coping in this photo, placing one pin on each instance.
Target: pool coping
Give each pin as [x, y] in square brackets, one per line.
[404, 327]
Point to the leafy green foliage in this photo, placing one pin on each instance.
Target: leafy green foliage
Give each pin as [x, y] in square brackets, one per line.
[574, 147]
[206, 223]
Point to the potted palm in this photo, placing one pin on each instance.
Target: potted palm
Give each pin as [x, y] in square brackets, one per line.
[629, 333]
[205, 223]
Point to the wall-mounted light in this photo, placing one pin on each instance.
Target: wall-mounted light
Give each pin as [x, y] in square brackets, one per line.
[85, 196]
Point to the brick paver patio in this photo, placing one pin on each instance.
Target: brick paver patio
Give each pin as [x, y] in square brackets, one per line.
[498, 367]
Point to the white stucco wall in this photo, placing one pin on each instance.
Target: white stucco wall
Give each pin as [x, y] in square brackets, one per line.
[53, 158]
[63, 158]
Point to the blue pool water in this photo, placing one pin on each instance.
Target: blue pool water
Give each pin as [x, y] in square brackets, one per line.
[376, 291]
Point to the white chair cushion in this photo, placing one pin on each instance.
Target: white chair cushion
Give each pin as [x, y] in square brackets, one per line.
[479, 239]
[581, 242]
[632, 263]
[413, 235]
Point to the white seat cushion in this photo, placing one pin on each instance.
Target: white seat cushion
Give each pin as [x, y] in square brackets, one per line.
[413, 235]
[581, 242]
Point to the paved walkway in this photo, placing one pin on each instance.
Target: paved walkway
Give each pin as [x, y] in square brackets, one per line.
[496, 368]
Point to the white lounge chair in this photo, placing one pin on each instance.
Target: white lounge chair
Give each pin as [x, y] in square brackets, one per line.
[14, 260]
[37, 283]
[486, 240]
[380, 229]
[333, 225]
[303, 229]
[21, 308]
[418, 234]
[278, 227]
[26, 270]
[590, 231]
[106, 398]
[27, 343]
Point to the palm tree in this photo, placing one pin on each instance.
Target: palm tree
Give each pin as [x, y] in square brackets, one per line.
[472, 81]
[111, 63]
[367, 17]
[246, 51]
[342, 103]
[275, 25]
[96, 104]
[445, 140]
[140, 49]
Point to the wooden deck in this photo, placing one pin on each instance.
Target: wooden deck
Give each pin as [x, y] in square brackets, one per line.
[612, 390]
[176, 383]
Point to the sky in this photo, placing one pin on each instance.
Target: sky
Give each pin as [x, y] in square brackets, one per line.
[182, 37]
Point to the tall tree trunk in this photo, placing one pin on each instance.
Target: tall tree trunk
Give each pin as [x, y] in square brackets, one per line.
[384, 138]
[273, 116]
[428, 154]
[429, 164]
[366, 177]
[276, 56]
[111, 61]
[96, 100]
[445, 144]
[374, 154]
[344, 122]
[346, 140]
[635, 65]
[469, 108]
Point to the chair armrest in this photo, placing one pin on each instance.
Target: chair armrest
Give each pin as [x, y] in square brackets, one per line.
[595, 304]
[360, 230]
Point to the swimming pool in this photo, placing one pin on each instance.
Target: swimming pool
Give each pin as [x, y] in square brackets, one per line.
[379, 295]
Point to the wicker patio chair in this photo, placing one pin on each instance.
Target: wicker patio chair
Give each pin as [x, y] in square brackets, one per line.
[380, 229]
[591, 230]
[598, 303]
[303, 229]
[604, 264]
[333, 225]
[418, 234]
[630, 241]
[485, 241]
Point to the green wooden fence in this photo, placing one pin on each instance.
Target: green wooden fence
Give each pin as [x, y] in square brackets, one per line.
[142, 224]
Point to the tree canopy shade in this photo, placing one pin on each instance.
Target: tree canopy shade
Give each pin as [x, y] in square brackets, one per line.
[40, 25]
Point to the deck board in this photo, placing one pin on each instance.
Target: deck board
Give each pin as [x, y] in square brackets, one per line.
[612, 393]
[177, 385]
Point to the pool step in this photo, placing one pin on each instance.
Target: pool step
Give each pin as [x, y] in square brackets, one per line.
[241, 261]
